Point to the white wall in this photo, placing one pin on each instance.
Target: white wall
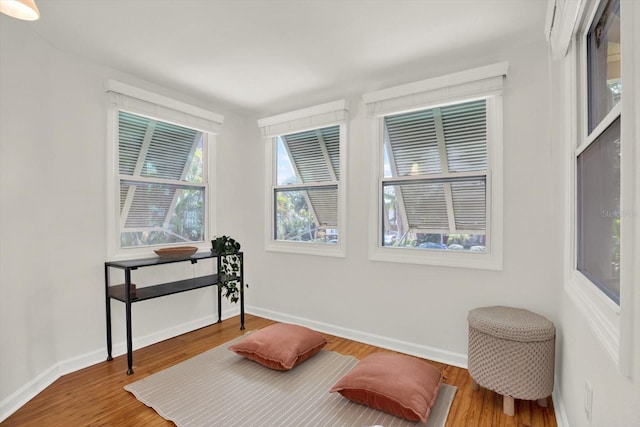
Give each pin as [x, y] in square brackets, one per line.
[53, 219]
[27, 327]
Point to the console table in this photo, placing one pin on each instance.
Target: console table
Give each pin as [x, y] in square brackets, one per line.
[123, 292]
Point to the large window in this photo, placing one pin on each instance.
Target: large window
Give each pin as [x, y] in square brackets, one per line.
[438, 189]
[162, 182]
[598, 154]
[159, 193]
[435, 174]
[305, 192]
[602, 156]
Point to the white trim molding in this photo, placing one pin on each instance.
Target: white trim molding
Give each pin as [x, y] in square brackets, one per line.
[560, 24]
[139, 100]
[476, 82]
[303, 119]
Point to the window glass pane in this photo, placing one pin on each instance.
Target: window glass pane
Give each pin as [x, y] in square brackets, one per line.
[465, 133]
[171, 211]
[444, 214]
[603, 62]
[451, 138]
[448, 212]
[161, 214]
[310, 156]
[284, 170]
[412, 144]
[156, 149]
[599, 211]
[308, 215]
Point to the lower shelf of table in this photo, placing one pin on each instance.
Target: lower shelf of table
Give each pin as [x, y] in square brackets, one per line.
[148, 292]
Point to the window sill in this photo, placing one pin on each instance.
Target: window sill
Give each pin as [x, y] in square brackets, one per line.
[305, 248]
[473, 260]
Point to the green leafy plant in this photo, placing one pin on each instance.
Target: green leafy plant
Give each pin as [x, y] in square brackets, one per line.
[230, 264]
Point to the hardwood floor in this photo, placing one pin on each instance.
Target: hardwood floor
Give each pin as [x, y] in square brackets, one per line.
[94, 396]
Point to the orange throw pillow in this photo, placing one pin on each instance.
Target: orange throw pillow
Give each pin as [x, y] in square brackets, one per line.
[400, 385]
[280, 346]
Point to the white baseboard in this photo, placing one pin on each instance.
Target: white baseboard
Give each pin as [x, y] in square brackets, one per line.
[25, 393]
[423, 351]
[28, 391]
[558, 406]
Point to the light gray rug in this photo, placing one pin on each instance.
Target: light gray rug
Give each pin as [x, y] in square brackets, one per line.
[220, 388]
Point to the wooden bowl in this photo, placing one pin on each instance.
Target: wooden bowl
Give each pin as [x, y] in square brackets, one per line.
[177, 252]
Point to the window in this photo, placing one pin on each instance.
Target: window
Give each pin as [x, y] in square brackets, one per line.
[160, 188]
[305, 193]
[603, 190]
[438, 195]
[435, 173]
[598, 155]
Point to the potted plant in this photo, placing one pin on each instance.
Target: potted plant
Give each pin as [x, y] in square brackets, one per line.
[229, 265]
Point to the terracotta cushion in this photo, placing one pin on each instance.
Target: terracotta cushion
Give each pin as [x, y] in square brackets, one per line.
[394, 383]
[280, 346]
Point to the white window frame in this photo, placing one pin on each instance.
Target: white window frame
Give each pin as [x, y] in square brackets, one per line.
[316, 117]
[123, 97]
[612, 324]
[483, 82]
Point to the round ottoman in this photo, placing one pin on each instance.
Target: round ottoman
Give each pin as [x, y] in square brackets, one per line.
[511, 351]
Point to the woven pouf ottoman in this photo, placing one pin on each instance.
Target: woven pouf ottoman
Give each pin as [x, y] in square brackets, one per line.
[511, 351]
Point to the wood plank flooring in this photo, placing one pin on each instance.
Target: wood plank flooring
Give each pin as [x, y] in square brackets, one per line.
[94, 396]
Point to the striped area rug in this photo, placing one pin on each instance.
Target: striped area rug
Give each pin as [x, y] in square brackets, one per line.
[220, 388]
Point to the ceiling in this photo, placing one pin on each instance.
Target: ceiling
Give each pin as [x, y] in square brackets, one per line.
[265, 57]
